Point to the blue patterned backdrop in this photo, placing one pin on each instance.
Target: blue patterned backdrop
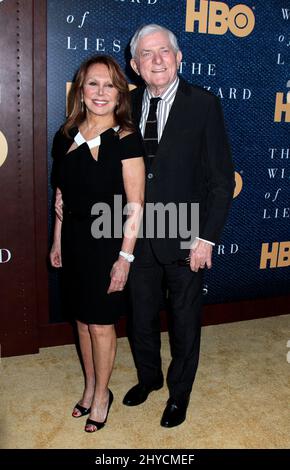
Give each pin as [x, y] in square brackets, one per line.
[246, 67]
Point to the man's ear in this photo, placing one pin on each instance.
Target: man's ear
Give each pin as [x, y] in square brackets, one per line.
[178, 58]
[134, 66]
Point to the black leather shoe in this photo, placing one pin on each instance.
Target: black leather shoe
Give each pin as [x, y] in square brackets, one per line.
[139, 393]
[174, 414]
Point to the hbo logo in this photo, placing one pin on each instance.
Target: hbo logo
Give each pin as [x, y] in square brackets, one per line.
[217, 18]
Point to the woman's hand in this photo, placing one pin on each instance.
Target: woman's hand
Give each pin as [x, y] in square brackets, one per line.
[55, 256]
[119, 275]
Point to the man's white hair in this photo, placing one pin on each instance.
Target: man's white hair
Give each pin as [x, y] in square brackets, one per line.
[151, 29]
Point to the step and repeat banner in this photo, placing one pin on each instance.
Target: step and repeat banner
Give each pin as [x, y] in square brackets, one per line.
[239, 50]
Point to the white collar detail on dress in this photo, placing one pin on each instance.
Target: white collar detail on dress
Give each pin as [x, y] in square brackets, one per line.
[95, 142]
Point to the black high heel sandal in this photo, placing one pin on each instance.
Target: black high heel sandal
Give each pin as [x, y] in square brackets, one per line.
[98, 425]
[83, 411]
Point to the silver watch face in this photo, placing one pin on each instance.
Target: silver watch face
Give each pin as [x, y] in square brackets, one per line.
[130, 258]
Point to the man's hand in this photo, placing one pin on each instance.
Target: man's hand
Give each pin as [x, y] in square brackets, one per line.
[119, 275]
[200, 255]
[58, 206]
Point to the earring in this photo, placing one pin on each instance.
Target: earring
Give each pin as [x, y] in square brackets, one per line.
[82, 104]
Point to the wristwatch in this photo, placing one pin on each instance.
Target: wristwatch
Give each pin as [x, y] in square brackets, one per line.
[128, 256]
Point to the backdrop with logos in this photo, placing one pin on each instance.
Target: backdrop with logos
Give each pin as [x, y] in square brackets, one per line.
[239, 50]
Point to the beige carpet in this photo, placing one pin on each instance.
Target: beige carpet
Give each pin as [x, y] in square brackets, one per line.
[240, 398]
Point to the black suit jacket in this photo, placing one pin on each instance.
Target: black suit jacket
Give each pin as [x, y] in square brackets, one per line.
[193, 164]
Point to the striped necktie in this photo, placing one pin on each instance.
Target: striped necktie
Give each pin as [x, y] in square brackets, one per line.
[151, 134]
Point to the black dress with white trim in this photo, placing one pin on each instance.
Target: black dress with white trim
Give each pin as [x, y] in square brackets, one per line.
[88, 257]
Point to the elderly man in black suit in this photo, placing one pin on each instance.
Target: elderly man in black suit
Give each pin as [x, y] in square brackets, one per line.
[188, 161]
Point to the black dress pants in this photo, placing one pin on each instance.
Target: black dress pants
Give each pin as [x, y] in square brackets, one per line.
[185, 295]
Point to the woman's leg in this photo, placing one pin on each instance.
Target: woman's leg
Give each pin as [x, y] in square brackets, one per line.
[88, 363]
[104, 344]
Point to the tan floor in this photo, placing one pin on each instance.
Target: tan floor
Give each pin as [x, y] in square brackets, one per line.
[240, 398]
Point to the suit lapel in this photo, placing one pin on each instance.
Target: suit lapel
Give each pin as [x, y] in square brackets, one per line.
[137, 105]
[176, 120]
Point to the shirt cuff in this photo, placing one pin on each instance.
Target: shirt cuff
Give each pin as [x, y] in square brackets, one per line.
[206, 241]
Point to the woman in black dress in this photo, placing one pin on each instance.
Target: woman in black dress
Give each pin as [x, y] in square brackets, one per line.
[98, 169]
